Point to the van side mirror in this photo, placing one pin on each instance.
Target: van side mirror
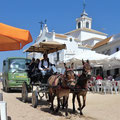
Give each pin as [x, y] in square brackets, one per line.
[4, 62]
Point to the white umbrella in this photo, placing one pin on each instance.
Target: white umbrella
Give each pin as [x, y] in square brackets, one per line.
[92, 56]
[115, 56]
[114, 61]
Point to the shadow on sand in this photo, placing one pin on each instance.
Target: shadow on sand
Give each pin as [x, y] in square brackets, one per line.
[28, 101]
[44, 106]
[13, 91]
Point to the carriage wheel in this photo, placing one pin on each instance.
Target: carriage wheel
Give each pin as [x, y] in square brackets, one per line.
[34, 99]
[24, 92]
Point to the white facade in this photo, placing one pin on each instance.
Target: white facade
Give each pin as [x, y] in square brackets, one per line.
[111, 47]
[80, 39]
[71, 45]
[88, 35]
[91, 42]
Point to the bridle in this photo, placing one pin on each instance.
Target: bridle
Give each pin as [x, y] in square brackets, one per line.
[66, 74]
[86, 69]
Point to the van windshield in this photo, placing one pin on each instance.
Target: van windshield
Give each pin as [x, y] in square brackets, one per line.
[17, 64]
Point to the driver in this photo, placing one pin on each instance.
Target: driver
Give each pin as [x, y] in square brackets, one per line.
[45, 66]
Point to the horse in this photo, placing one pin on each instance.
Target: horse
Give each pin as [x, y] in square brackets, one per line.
[81, 86]
[60, 86]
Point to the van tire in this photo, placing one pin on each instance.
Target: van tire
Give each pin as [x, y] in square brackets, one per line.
[3, 86]
[6, 87]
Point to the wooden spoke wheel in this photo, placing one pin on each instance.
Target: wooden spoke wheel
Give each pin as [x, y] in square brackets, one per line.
[34, 99]
[24, 92]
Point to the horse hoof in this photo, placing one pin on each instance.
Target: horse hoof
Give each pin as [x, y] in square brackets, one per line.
[81, 113]
[66, 114]
[51, 108]
[56, 110]
[73, 111]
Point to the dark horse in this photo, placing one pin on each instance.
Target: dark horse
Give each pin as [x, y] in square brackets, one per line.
[62, 88]
[81, 86]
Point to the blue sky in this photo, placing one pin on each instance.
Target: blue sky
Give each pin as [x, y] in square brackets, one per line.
[60, 15]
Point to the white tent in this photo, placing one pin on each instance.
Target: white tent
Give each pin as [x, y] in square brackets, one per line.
[92, 56]
[115, 56]
[113, 61]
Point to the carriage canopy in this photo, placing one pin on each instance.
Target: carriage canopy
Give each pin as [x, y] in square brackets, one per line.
[49, 47]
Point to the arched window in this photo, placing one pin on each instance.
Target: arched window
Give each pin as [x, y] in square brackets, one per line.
[87, 24]
[43, 40]
[117, 49]
[79, 25]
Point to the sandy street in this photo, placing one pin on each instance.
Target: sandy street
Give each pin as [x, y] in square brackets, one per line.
[98, 107]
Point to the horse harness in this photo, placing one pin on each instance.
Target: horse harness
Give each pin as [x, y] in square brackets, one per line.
[62, 77]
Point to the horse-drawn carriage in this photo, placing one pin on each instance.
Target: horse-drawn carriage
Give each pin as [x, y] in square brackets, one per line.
[60, 85]
[39, 82]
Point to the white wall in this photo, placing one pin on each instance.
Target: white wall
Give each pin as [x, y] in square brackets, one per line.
[91, 42]
[88, 35]
[84, 35]
[96, 41]
[76, 34]
[71, 46]
[112, 46]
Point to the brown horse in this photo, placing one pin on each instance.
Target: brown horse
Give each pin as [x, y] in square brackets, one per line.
[62, 89]
[81, 86]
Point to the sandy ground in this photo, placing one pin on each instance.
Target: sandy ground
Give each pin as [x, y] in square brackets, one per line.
[98, 107]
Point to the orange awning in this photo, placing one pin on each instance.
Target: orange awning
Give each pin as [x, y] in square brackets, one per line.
[12, 38]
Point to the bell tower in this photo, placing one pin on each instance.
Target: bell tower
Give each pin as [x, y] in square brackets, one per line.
[84, 21]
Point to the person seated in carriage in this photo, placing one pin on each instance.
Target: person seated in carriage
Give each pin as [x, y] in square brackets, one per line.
[36, 65]
[31, 67]
[33, 72]
[47, 69]
[37, 75]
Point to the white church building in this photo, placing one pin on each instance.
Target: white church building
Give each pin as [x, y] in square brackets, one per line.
[82, 38]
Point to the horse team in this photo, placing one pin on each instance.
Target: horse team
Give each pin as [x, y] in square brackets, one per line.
[63, 84]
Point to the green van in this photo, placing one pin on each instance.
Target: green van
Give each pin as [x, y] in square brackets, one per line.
[14, 73]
